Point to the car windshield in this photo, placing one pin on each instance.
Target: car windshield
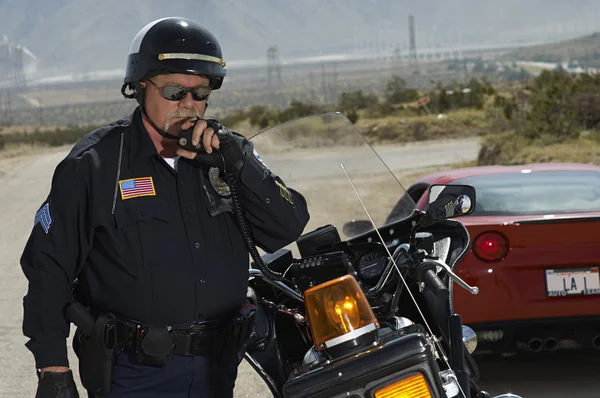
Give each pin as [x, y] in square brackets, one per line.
[546, 192]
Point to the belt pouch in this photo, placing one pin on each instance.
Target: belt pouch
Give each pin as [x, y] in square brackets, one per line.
[154, 346]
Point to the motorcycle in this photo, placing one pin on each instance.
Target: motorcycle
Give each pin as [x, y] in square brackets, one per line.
[365, 310]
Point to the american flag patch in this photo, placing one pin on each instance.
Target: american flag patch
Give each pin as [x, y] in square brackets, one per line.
[43, 218]
[136, 187]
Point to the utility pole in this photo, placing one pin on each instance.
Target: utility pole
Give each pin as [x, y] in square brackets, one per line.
[412, 55]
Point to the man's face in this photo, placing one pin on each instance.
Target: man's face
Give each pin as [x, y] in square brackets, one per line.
[170, 115]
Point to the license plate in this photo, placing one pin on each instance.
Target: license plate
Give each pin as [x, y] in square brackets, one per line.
[572, 282]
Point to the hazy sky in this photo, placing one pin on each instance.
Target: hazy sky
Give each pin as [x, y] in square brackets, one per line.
[85, 35]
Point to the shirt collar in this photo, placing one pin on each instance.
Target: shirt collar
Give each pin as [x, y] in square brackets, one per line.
[140, 143]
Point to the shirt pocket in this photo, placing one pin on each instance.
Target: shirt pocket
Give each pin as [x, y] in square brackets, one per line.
[144, 230]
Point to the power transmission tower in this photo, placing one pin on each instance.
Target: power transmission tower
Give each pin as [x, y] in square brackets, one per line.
[12, 78]
[273, 64]
[12, 73]
[412, 54]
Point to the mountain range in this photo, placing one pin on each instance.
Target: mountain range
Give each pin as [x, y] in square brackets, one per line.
[72, 36]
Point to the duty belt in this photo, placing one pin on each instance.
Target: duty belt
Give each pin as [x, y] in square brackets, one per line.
[201, 339]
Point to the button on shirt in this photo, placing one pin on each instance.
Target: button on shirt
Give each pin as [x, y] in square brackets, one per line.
[161, 246]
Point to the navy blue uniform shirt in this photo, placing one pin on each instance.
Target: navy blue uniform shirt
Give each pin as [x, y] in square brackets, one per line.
[154, 244]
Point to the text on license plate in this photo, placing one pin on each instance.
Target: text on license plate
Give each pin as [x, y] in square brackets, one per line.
[572, 282]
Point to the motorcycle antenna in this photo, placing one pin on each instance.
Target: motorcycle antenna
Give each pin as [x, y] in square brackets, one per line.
[436, 342]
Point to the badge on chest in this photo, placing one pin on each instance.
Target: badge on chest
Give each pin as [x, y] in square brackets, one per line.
[217, 183]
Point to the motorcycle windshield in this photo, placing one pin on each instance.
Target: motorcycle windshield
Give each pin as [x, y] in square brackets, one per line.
[312, 156]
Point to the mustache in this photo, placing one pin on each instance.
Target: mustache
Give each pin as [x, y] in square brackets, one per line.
[180, 114]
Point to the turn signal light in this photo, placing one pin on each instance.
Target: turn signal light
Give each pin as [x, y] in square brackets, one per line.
[490, 246]
[338, 311]
[411, 387]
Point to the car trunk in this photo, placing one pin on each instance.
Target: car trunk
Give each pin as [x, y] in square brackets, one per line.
[540, 250]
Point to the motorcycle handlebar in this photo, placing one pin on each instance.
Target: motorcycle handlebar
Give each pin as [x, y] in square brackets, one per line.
[435, 284]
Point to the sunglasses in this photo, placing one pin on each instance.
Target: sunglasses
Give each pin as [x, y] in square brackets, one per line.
[174, 92]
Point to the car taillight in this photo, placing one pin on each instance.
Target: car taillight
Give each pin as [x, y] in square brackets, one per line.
[490, 246]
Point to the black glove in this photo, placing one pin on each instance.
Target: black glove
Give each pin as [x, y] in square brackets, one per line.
[57, 385]
[229, 158]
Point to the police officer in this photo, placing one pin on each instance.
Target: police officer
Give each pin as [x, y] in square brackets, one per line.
[149, 233]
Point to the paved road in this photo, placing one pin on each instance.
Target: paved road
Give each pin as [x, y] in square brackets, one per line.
[305, 165]
[24, 182]
[551, 375]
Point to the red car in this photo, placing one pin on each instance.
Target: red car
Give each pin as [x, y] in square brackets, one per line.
[535, 255]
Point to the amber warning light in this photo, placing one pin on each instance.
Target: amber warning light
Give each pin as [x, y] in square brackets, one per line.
[411, 387]
[338, 312]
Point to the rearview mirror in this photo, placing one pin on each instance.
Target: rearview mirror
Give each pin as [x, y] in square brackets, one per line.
[449, 201]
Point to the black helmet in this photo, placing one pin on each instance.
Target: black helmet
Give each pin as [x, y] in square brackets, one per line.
[175, 45]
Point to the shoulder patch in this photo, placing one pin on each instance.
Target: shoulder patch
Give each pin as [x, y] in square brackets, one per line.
[257, 156]
[285, 194]
[43, 218]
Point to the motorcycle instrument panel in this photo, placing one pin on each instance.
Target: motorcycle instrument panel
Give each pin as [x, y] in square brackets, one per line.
[371, 265]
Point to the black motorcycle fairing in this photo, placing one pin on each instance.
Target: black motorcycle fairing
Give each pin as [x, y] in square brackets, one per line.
[399, 353]
[451, 238]
[397, 230]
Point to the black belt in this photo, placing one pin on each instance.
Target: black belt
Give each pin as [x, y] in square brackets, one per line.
[201, 339]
